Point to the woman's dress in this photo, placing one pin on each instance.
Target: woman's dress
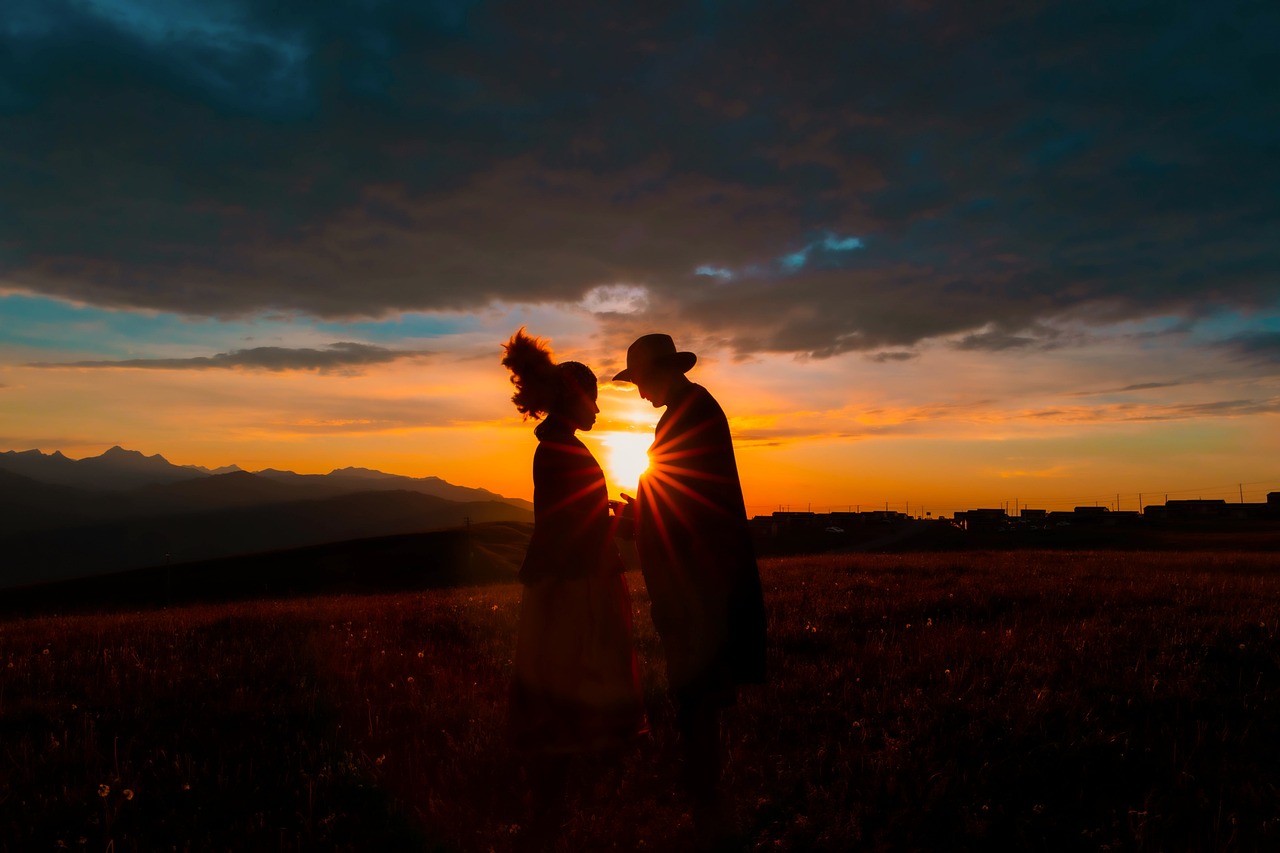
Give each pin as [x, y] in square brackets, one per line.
[577, 683]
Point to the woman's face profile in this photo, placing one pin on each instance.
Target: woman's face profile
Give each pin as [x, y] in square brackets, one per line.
[580, 407]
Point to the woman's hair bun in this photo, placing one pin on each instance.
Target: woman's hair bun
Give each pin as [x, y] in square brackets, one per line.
[533, 372]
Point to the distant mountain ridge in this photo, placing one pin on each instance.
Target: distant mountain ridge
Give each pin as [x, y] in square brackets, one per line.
[225, 469]
[62, 517]
[121, 470]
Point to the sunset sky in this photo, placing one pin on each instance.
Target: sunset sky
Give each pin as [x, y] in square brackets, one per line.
[930, 255]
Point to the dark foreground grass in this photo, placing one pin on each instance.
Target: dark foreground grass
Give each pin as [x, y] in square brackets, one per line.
[1026, 700]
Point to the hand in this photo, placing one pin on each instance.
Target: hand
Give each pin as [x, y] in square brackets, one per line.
[624, 516]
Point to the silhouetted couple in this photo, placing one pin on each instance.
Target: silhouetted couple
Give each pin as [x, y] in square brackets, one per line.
[577, 687]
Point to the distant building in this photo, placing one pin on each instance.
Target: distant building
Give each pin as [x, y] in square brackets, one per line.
[1065, 518]
[882, 516]
[1179, 511]
[773, 524]
[801, 519]
[1195, 509]
[981, 519]
[778, 522]
[1214, 510]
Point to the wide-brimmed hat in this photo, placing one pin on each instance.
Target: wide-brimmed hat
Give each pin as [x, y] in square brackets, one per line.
[654, 352]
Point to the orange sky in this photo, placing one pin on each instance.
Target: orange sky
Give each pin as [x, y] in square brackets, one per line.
[945, 431]
[911, 277]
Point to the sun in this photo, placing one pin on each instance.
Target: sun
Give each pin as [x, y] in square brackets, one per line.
[626, 457]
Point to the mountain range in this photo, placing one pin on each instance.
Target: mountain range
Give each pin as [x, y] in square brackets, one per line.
[62, 517]
[120, 470]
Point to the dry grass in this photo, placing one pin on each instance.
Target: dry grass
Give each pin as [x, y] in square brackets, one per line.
[1025, 700]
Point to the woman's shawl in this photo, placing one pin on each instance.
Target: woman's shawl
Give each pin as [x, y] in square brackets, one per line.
[571, 524]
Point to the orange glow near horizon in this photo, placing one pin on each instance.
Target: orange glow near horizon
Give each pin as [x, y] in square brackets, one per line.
[625, 459]
[821, 434]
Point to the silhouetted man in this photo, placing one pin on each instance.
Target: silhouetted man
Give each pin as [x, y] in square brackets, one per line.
[695, 552]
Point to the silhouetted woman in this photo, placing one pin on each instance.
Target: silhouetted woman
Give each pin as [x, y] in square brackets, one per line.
[577, 685]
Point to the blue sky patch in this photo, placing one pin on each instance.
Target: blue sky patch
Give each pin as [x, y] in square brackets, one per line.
[829, 243]
[34, 322]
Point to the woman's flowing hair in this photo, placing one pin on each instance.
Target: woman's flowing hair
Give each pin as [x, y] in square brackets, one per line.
[541, 383]
[533, 372]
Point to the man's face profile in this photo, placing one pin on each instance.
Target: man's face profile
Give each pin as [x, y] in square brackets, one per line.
[654, 386]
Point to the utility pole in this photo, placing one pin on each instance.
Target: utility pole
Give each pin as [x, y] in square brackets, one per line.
[1241, 492]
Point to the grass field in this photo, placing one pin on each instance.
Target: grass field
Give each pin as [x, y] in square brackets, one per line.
[1016, 700]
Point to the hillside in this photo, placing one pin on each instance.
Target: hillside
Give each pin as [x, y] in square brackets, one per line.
[480, 553]
[138, 542]
[28, 506]
[63, 518]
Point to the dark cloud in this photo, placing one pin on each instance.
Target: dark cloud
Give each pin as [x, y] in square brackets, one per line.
[845, 182]
[343, 356]
[1256, 347]
[1219, 408]
[892, 355]
[1148, 386]
[995, 341]
[1141, 386]
[1172, 412]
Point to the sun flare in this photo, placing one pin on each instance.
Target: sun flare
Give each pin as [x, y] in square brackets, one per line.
[626, 457]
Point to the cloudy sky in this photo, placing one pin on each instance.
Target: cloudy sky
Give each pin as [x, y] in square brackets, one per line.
[938, 253]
